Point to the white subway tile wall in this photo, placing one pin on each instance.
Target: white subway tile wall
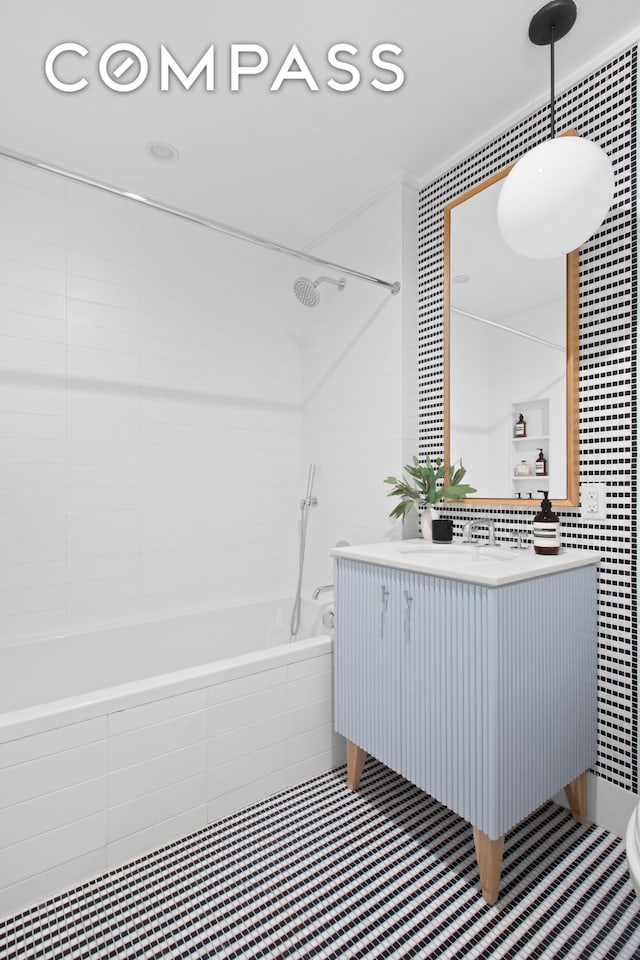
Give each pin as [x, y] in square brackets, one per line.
[79, 799]
[150, 412]
[355, 379]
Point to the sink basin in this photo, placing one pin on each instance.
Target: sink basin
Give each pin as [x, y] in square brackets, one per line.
[501, 554]
[441, 549]
[456, 551]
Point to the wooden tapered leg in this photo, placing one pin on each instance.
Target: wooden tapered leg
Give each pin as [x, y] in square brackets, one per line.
[489, 855]
[356, 758]
[576, 792]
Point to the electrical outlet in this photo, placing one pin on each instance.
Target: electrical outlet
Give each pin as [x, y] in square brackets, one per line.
[593, 505]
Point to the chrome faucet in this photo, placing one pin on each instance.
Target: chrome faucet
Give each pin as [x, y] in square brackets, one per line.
[318, 590]
[472, 525]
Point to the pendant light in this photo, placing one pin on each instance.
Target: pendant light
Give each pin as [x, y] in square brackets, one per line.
[558, 194]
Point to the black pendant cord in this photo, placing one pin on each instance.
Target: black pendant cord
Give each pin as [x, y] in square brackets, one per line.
[553, 94]
[549, 24]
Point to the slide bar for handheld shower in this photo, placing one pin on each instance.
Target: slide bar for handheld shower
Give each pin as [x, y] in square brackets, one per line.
[394, 286]
[312, 473]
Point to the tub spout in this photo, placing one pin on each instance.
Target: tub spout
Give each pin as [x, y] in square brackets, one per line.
[319, 590]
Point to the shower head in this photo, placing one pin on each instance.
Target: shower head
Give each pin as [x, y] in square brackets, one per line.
[307, 290]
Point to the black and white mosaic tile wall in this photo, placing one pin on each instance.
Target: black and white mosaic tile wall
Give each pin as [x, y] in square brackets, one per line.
[601, 107]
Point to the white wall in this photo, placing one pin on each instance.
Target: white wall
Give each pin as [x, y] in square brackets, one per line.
[501, 369]
[149, 412]
[470, 414]
[162, 394]
[522, 371]
[359, 379]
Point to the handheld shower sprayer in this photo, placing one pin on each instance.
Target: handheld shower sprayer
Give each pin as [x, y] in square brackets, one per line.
[305, 505]
[307, 290]
[310, 500]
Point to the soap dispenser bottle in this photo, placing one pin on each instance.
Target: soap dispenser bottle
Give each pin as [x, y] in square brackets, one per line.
[546, 528]
[520, 428]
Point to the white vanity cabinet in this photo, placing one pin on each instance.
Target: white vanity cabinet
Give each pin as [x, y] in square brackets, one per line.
[483, 696]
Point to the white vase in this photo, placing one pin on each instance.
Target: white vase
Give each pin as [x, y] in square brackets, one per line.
[426, 517]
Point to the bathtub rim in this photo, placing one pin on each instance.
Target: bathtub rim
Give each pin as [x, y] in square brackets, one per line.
[53, 714]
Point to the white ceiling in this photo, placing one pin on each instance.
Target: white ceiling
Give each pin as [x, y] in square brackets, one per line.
[286, 165]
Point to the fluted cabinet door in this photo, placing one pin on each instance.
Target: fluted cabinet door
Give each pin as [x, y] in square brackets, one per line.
[499, 693]
[447, 717]
[368, 664]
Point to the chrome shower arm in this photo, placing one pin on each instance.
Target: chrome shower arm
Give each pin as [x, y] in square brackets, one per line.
[340, 284]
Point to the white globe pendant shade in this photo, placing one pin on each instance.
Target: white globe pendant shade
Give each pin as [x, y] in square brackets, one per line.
[555, 197]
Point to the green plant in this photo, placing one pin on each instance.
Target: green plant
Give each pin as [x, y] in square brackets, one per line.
[430, 485]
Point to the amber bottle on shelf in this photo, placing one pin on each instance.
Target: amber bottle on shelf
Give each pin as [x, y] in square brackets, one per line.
[541, 464]
[520, 429]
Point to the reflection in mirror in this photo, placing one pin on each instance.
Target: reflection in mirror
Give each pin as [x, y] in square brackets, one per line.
[510, 355]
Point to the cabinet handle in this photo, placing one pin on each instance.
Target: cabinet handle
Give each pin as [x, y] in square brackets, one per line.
[408, 600]
[384, 595]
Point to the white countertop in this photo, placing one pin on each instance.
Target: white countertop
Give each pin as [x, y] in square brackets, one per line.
[483, 565]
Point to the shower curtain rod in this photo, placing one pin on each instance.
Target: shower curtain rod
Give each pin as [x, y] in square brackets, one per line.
[228, 231]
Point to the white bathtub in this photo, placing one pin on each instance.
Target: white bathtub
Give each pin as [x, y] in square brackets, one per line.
[115, 742]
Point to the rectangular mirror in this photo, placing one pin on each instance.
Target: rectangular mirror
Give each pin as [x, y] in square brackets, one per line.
[510, 355]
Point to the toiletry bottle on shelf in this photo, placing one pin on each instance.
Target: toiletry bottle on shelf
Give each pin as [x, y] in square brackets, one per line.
[522, 469]
[520, 429]
[541, 464]
[546, 528]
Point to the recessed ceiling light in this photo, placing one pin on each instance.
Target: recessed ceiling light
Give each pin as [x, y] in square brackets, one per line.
[461, 278]
[161, 151]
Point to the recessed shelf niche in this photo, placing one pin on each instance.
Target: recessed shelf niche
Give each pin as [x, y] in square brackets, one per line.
[527, 448]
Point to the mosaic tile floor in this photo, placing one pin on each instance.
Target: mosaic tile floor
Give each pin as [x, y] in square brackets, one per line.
[317, 871]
